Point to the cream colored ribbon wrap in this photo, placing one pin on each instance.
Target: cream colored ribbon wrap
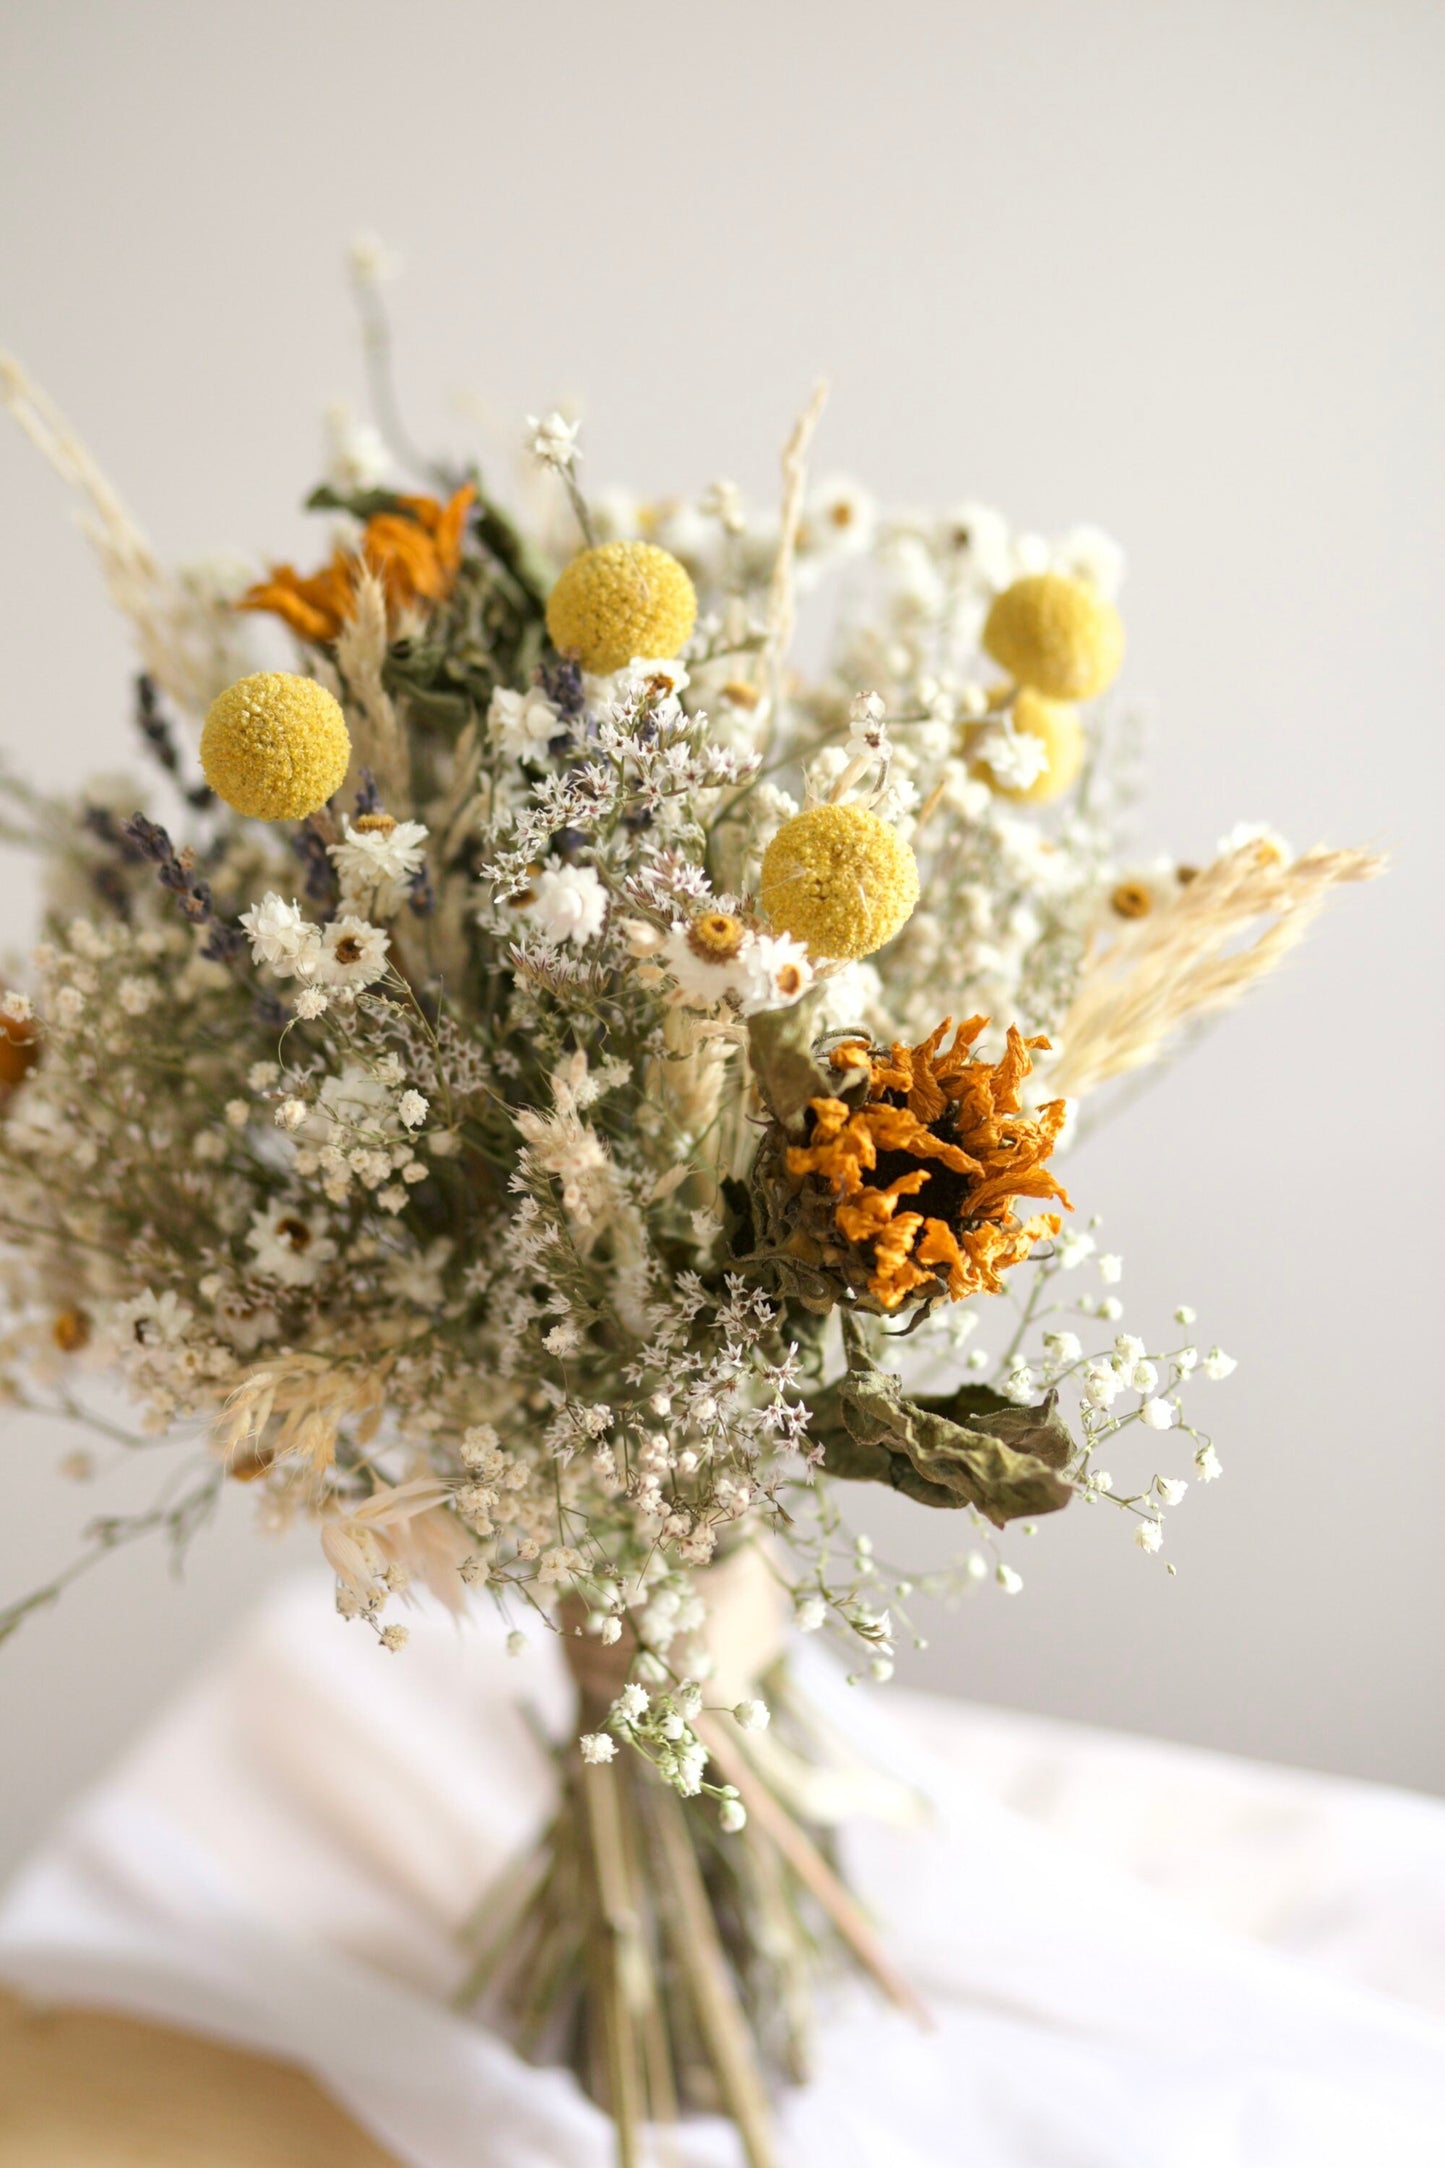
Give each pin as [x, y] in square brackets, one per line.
[746, 1632]
[749, 1612]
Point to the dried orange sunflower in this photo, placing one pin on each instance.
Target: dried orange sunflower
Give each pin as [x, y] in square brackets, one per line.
[945, 1128]
[414, 550]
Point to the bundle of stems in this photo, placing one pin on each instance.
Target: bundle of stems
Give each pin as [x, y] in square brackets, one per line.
[673, 1967]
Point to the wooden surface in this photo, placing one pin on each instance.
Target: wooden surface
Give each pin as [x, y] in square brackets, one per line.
[79, 2089]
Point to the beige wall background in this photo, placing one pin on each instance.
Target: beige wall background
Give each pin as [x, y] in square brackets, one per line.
[1171, 268]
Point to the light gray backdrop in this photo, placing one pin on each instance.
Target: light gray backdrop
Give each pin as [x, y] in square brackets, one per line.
[1169, 268]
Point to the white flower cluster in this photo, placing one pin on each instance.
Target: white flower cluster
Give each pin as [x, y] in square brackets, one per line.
[764, 971]
[341, 957]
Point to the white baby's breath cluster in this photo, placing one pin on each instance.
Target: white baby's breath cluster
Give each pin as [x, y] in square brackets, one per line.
[412, 1158]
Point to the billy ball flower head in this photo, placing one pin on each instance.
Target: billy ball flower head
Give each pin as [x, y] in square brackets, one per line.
[840, 879]
[619, 600]
[275, 746]
[1056, 635]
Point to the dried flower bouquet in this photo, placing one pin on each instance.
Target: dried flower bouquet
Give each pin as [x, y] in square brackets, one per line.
[498, 1091]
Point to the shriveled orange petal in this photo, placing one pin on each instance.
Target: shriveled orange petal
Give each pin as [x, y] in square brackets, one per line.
[414, 551]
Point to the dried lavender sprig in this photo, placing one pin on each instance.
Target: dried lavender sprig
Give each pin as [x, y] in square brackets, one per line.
[156, 731]
[176, 871]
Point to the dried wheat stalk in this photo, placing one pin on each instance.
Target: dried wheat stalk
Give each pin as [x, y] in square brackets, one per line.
[781, 605]
[376, 737]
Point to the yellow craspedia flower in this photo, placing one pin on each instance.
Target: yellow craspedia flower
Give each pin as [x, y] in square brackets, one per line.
[840, 879]
[620, 600]
[1057, 635]
[1058, 729]
[275, 747]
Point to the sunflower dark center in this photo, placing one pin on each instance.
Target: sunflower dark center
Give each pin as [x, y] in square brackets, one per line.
[944, 1196]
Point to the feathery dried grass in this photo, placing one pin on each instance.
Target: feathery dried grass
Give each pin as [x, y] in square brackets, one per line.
[307, 1398]
[399, 1525]
[1194, 958]
[188, 640]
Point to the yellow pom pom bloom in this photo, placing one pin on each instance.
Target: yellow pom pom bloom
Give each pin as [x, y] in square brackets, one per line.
[840, 879]
[620, 600]
[1057, 727]
[1057, 635]
[275, 747]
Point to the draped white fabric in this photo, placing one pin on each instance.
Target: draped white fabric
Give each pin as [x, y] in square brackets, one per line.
[1138, 1956]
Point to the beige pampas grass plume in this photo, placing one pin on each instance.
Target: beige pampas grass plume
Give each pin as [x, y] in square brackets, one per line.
[1198, 956]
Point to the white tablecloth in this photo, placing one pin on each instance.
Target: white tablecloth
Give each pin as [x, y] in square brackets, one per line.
[1139, 1956]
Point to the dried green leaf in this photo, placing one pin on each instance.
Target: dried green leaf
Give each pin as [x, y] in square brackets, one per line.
[780, 1048]
[968, 1448]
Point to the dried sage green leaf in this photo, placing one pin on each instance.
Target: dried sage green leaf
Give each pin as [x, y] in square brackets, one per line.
[967, 1448]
